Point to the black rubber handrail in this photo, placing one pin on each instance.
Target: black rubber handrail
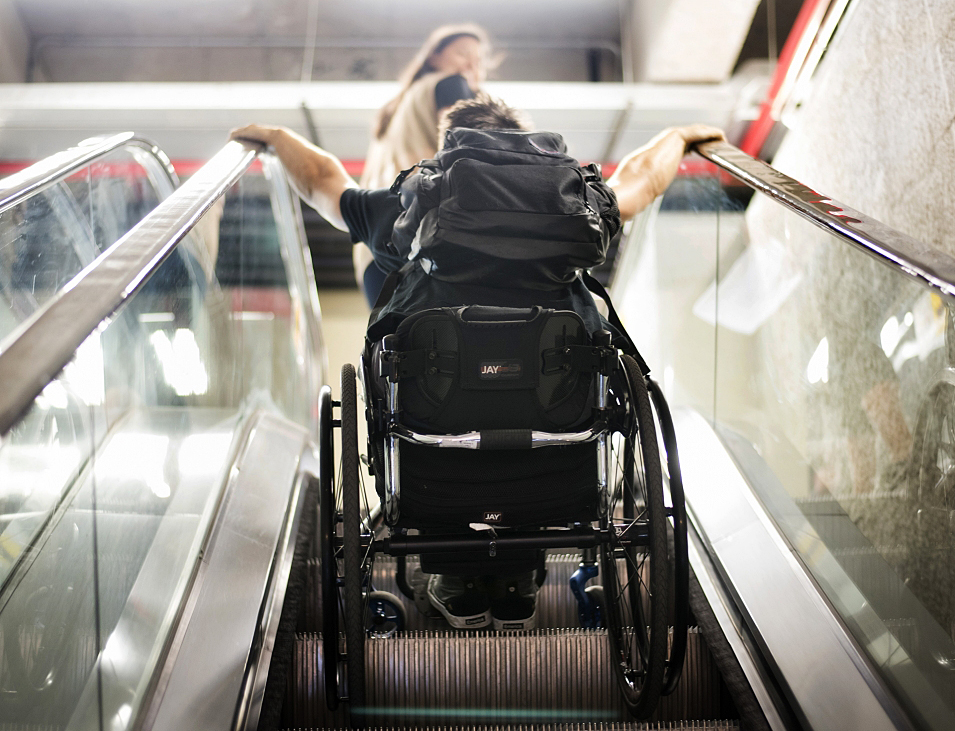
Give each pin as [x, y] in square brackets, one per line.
[33, 354]
[914, 258]
[19, 186]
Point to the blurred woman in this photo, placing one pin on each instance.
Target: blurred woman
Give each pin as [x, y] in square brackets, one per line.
[451, 65]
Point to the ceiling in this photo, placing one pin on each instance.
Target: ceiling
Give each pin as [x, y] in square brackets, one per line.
[265, 40]
[357, 18]
[351, 52]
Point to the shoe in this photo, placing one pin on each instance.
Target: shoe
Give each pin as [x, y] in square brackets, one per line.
[462, 601]
[514, 603]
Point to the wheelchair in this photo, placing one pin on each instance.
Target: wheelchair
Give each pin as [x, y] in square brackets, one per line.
[493, 430]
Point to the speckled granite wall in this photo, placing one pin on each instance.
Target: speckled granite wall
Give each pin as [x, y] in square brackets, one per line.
[875, 132]
[877, 129]
[842, 363]
[844, 392]
[829, 363]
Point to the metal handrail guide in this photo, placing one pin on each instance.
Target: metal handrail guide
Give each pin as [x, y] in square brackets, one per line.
[16, 188]
[914, 258]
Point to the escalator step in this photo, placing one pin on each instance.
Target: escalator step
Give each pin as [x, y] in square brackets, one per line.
[595, 726]
[444, 678]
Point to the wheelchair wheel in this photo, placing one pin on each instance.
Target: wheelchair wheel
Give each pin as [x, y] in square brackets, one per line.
[328, 510]
[680, 558]
[353, 553]
[636, 578]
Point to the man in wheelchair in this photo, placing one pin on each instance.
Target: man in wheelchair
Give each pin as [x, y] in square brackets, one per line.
[521, 250]
[496, 234]
[486, 339]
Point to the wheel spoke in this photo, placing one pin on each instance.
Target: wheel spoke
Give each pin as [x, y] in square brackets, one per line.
[634, 577]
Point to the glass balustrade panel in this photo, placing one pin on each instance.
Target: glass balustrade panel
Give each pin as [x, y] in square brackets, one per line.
[662, 283]
[109, 484]
[50, 237]
[256, 268]
[836, 392]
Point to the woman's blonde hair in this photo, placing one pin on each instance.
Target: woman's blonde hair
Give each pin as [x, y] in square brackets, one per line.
[420, 65]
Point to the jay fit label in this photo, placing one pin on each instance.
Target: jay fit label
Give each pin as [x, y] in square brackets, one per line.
[500, 369]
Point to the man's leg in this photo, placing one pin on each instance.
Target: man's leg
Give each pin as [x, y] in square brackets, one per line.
[462, 600]
[513, 601]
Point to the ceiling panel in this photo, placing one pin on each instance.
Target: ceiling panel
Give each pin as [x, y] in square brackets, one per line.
[408, 22]
[198, 40]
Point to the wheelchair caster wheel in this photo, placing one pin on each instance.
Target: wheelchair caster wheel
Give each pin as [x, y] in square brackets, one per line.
[385, 615]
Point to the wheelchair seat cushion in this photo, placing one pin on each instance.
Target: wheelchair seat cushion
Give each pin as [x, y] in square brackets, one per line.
[480, 368]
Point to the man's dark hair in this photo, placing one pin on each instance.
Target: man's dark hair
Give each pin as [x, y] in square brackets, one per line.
[482, 112]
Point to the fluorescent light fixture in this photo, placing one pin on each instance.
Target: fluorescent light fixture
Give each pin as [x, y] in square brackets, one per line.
[157, 317]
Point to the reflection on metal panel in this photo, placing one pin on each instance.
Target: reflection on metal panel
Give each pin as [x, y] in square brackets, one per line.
[206, 676]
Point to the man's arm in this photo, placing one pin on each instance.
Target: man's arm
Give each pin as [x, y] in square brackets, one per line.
[318, 176]
[647, 172]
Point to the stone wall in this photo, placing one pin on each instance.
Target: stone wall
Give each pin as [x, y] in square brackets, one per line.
[876, 131]
[845, 349]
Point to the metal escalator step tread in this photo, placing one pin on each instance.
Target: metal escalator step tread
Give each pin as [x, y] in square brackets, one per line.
[452, 678]
[594, 726]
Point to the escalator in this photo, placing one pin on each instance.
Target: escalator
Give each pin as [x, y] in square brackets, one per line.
[808, 347]
[428, 675]
[168, 577]
[155, 453]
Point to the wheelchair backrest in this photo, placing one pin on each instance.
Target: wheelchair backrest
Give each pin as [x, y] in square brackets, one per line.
[479, 368]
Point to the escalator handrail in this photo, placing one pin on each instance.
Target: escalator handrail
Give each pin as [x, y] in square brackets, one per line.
[914, 258]
[19, 186]
[34, 354]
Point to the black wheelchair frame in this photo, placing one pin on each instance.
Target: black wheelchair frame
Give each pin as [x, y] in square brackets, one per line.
[632, 536]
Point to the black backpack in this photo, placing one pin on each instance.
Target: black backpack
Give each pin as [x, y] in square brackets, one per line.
[505, 206]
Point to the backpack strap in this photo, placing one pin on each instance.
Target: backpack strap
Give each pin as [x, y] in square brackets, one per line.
[629, 348]
[415, 363]
[388, 288]
[592, 172]
[403, 175]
